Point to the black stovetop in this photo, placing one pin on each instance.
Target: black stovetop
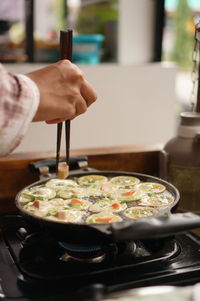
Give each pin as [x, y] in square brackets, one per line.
[33, 266]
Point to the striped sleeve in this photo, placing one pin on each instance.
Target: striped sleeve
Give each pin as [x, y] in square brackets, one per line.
[19, 100]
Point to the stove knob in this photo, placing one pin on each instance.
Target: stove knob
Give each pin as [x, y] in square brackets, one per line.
[22, 233]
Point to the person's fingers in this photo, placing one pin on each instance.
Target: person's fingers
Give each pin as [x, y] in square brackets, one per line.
[88, 93]
[77, 107]
[55, 121]
[70, 72]
[81, 107]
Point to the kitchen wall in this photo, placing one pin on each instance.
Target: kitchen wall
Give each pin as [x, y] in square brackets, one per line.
[136, 105]
[135, 31]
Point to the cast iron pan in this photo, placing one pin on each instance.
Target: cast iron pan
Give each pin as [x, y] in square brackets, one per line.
[158, 226]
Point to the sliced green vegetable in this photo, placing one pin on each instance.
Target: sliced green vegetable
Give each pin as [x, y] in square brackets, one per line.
[40, 198]
[74, 196]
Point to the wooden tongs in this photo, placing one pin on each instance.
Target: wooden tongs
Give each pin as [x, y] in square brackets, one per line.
[62, 168]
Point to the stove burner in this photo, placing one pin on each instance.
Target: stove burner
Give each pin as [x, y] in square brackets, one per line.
[33, 263]
[66, 257]
[79, 248]
[93, 254]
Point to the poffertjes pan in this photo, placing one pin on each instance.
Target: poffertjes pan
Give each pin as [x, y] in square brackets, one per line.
[103, 207]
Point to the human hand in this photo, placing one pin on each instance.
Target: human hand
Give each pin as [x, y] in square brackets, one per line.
[64, 92]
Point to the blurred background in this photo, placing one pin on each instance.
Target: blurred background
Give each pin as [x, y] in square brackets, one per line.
[93, 22]
[138, 54]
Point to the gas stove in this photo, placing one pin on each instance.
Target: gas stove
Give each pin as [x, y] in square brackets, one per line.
[34, 266]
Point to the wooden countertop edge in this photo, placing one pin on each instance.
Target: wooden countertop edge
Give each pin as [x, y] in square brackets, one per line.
[85, 152]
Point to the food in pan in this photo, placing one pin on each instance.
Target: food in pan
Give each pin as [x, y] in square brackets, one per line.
[151, 187]
[79, 192]
[157, 200]
[103, 217]
[63, 170]
[79, 204]
[40, 193]
[139, 212]
[68, 216]
[125, 181]
[59, 208]
[96, 199]
[58, 184]
[127, 195]
[92, 179]
[106, 204]
[71, 192]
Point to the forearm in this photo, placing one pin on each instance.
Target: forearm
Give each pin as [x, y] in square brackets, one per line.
[19, 100]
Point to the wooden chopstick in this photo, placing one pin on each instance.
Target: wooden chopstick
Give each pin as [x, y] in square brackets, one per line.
[59, 135]
[67, 139]
[65, 53]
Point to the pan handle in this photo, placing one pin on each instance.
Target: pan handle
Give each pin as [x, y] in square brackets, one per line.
[156, 227]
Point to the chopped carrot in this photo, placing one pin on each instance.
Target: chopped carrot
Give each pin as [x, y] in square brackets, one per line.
[104, 219]
[76, 201]
[115, 206]
[37, 204]
[130, 192]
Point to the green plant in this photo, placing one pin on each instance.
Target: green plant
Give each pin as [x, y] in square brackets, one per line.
[184, 35]
[93, 18]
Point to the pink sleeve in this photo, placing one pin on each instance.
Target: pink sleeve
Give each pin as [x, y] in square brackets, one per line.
[19, 100]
